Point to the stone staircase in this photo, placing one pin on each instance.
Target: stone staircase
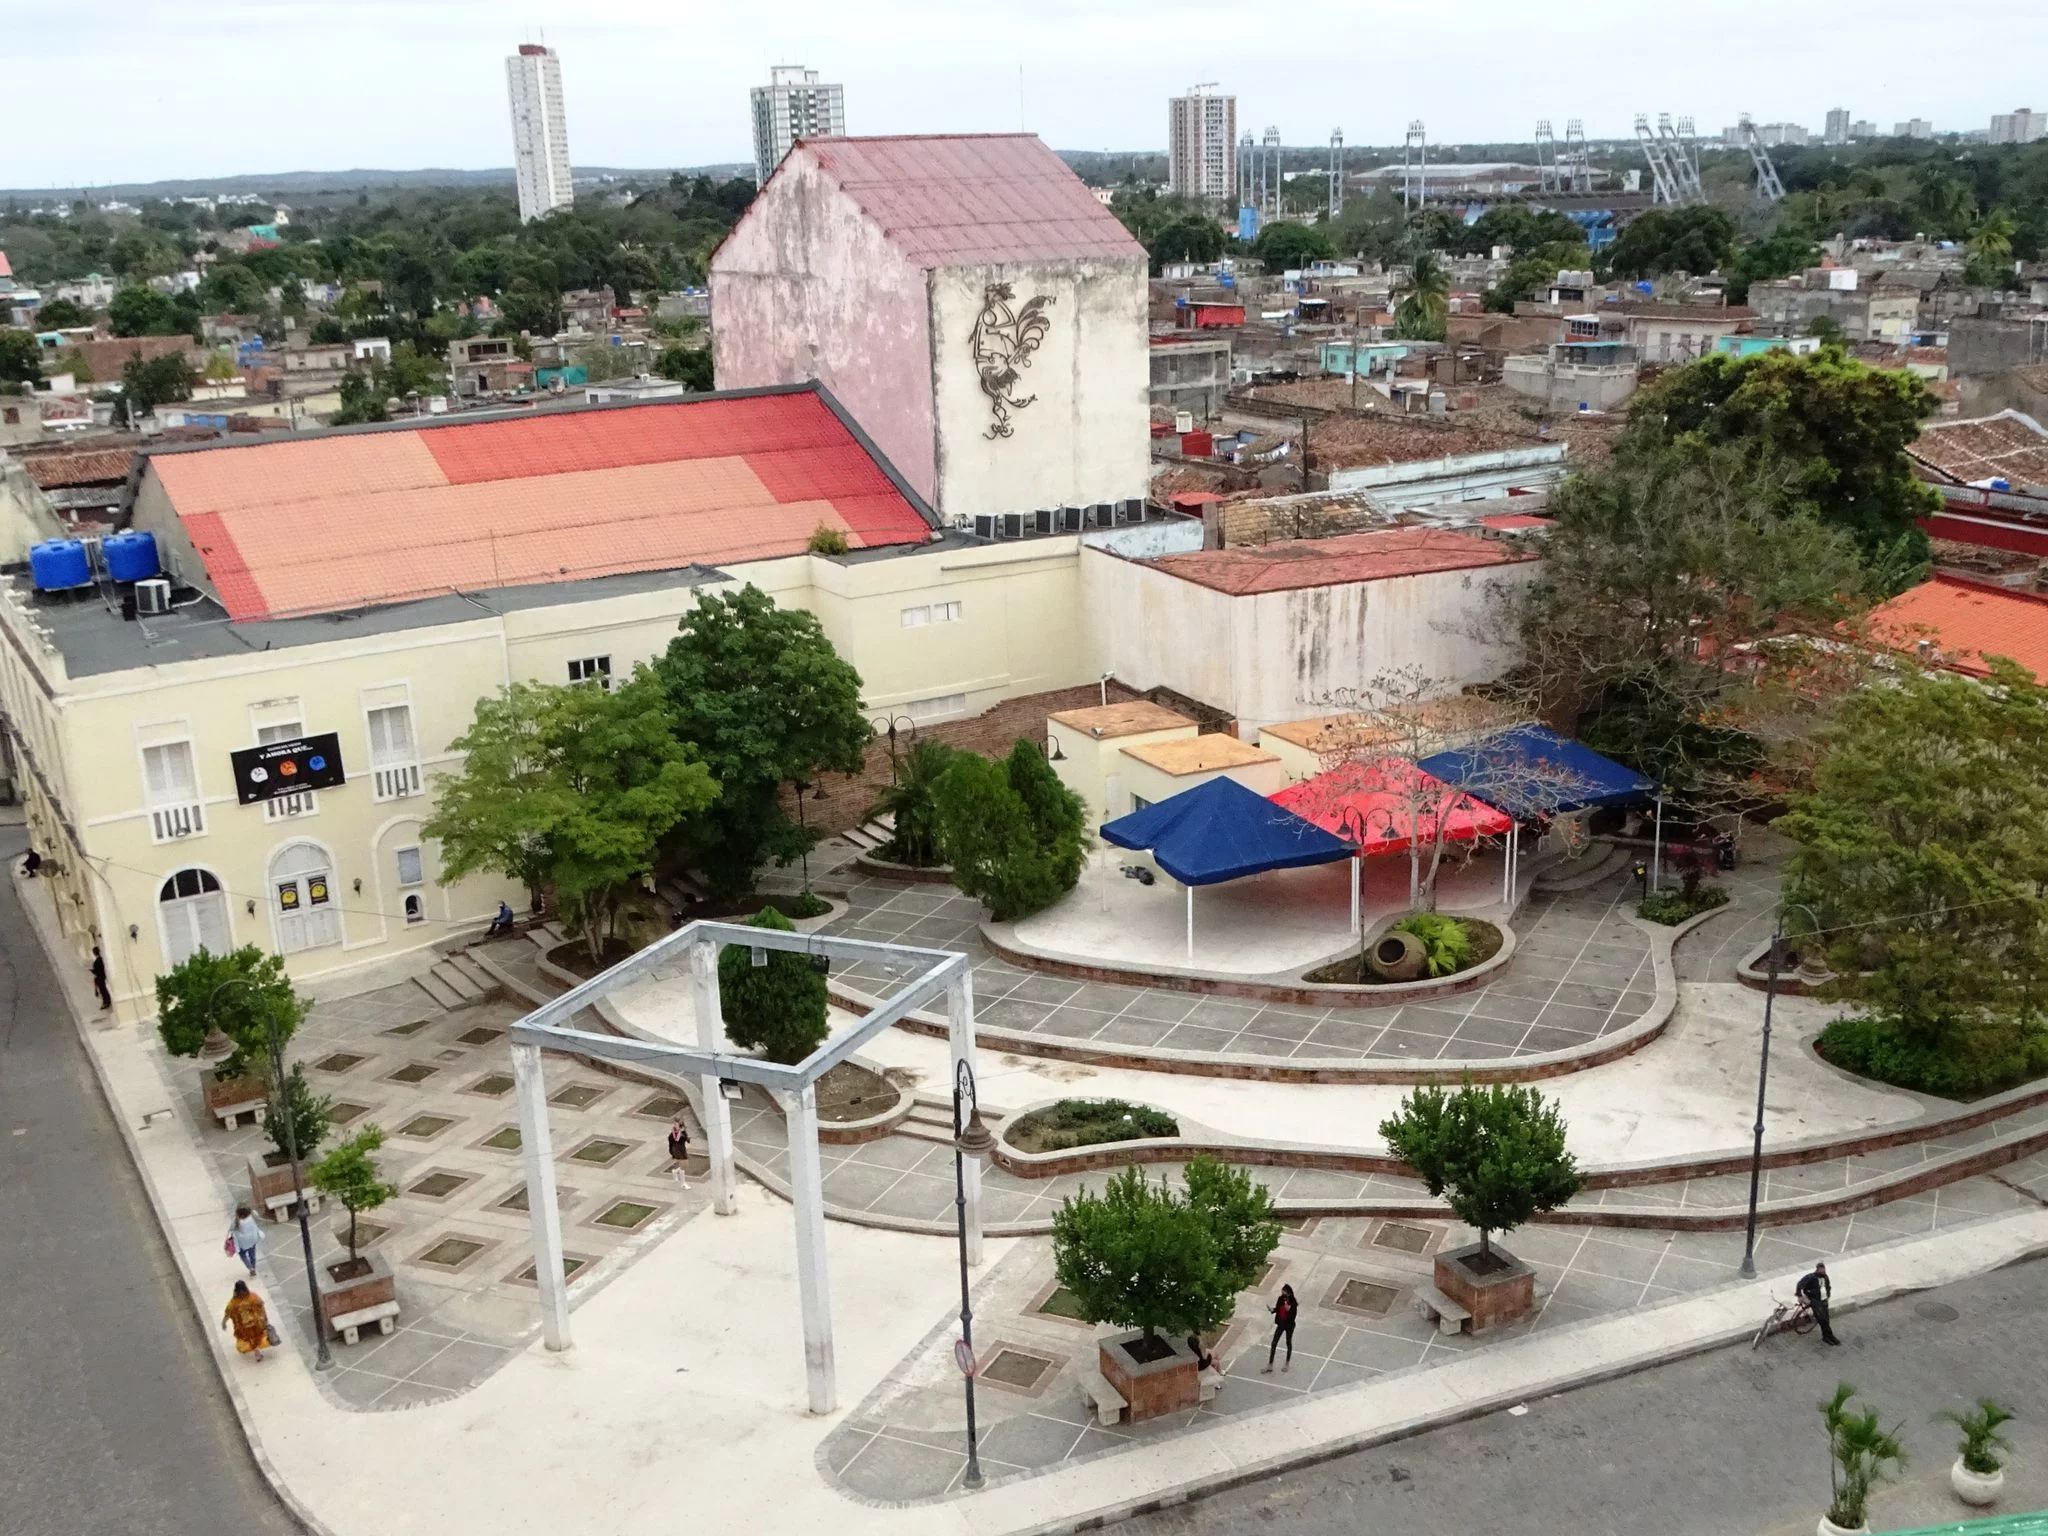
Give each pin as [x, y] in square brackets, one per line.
[457, 981]
[1599, 862]
[931, 1119]
[871, 835]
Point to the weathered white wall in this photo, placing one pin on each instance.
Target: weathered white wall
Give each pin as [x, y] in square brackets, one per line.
[1085, 437]
[807, 287]
[1272, 657]
[1141, 781]
[1095, 769]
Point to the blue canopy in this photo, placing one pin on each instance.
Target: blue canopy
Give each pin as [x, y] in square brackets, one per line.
[1529, 771]
[1223, 831]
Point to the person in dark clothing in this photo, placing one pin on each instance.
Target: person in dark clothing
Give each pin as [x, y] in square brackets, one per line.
[31, 864]
[1203, 1359]
[1285, 1309]
[1816, 1289]
[679, 1152]
[501, 924]
[99, 979]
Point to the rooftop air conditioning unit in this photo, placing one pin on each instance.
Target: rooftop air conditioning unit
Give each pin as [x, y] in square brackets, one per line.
[153, 596]
[1013, 525]
[1041, 520]
[1102, 514]
[1131, 511]
[985, 526]
[1070, 519]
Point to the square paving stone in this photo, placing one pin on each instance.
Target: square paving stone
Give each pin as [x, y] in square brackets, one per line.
[413, 1073]
[889, 1468]
[577, 1095]
[341, 1114]
[599, 1151]
[1018, 1368]
[1194, 1037]
[1353, 1293]
[504, 1139]
[438, 1185]
[451, 1253]
[460, 1365]
[492, 1085]
[340, 1061]
[1028, 1440]
[627, 1215]
[1402, 1237]
[663, 1106]
[1378, 1351]
[483, 1034]
[425, 1127]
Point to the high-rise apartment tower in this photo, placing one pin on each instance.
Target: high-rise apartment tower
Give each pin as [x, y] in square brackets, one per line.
[793, 105]
[540, 137]
[1201, 141]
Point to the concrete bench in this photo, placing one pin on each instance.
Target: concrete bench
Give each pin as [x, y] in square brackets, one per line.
[1108, 1403]
[280, 1206]
[230, 1115]
[350, 1325]
[1450, 1317]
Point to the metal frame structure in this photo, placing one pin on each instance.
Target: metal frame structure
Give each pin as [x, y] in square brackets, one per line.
[714, 1062]
[1686, 160]
[1769, 188]
[1575, 166]
[1546, 156]
[1664, 187]
[1248, 171]
[1415, 165]
[1270, 174]
[1336, 172]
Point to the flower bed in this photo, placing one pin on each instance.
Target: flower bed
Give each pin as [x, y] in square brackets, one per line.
[1481, 942]
[1673, 907]
[1086, 1123]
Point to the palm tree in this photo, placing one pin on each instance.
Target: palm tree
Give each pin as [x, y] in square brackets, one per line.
[915, 839]
[1862, 1452]
[1422, 312]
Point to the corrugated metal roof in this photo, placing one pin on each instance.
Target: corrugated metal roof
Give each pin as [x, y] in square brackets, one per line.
[314, 525]
[973, 199]
[1340, 561]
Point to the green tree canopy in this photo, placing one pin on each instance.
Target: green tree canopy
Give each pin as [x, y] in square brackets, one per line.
[1660, 240]
[688, 366]
[911, 803]
[241, 994]
[1519, 228]
[1498, 1150]
[305, 1113]
[778, 1008]
[1284, 244]
[760, 695]
[1777, 255]
[362, 399]
[1014, 835]
[1197, 239]
[149, 383]
[1424, 310]
[1141, 1255]
[350, 1174]
[145, 312]
[21, 360]
[60, 314]
[1531, 273]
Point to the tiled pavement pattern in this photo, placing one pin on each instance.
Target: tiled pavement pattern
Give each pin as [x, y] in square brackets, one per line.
[1354, 1280]
[1581, 970]
[458, 1255]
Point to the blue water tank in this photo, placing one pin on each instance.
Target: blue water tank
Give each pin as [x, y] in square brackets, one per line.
[131, 556]
[58, 564]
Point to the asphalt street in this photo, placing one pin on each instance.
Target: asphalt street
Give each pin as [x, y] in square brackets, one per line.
[1723, 1444]
[112, 1417]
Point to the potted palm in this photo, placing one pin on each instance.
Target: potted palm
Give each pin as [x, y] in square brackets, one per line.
[360, 1289]
[1978, 1475]
[1861, 1452]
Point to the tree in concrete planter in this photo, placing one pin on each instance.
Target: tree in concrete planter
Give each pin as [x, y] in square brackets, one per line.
[1013, 833]
[307, 1113]
[240, 994]
[1499, 1151]
[1141, 1255]
[350, 1174]
[777, 1008]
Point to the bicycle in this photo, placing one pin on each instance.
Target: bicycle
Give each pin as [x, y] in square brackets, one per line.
[1797, 1316]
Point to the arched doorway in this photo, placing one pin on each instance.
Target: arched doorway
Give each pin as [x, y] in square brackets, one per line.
[302, 897]
[192, 911]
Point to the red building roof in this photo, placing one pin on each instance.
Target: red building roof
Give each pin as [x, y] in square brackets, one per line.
[352, 519]
[1967, 621]
[955, 200]
[2008, 446]
[1348, 558]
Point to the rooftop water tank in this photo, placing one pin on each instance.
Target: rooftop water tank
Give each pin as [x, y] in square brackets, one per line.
[59, 564]
[130, 556]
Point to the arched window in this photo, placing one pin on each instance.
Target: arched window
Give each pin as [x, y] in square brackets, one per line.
[193, 912]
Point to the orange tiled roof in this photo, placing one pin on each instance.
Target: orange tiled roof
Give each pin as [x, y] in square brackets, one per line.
[52, 471]
[316, 524]
[1968, 621]
[1348, 558]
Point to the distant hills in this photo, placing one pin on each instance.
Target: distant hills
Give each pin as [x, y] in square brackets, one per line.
[285, 183]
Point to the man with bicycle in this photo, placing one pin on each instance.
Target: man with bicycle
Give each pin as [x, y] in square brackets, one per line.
[1814, 1289]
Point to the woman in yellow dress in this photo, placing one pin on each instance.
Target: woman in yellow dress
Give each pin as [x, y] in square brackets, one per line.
[246, 1316]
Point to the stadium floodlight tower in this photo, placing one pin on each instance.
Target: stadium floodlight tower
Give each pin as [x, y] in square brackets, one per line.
[1546, 156]
[1270, 174]
[1336, 172]
[1577, 165]
[1768, 188]
[1415, 166]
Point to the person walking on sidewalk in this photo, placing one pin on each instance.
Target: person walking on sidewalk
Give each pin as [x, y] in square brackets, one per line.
[31, 864]
[679, 1151]
[251, 1323]
[246, 1236]
[1816, 1288]
[99, 979]
[1284, 1310]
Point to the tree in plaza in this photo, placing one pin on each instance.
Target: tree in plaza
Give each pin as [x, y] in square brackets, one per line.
[1498, 1151]
[574, 784]
[143, 312]
[350, 1174]
[21, 360]
[147, 383]
[760, 695]
[308, 1114]
[777, 1008]
[911, 804]
[1014, 835]
[1141, 1255]
[1841, 426]
[1923, 850]
[1423, 310]
[1284, 244]
[241, 994]
[1660, 240]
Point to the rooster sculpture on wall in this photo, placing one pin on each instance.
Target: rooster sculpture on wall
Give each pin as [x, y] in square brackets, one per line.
[1003, 342]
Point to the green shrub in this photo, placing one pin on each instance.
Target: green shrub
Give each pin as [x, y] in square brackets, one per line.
[1445, 939]
[1674, 907]
[827, 540]
[1966, 1065]
[911, 803]
[1499, 1151]
[777, 1009]
[805, 903]
[306, 1113]
[1088, 1123]
[1013, 833]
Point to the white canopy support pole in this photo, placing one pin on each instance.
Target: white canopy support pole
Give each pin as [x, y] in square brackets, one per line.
[537, 1153]
[814, 1289]
[1191, 922]
[1657, 848]
[1357, 910]
[1507, 872]
[960, 1036]
[717, 1113]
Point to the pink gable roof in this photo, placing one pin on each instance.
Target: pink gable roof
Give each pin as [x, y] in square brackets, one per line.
[956, 200]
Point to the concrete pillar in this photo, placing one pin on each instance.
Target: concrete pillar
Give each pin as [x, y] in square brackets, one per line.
[536, 1151]
[717, 1114]
[960, 1039]
[814, 1286]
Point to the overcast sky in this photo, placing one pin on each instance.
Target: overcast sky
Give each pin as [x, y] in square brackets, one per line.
[152, 90]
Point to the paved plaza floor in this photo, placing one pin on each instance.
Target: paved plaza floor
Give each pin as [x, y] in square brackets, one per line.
[1581, 970]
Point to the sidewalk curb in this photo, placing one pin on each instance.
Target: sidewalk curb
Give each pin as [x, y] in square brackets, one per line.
[52, 952]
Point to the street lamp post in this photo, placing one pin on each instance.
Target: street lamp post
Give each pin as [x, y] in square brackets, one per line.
[970, 1139]
[323, 1360]
[1772, 967]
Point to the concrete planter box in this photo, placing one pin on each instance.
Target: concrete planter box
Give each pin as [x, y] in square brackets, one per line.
[910, 874]
[1151, 1387]
[228, 1101]
[270, 1186]
[1502, 1296]
[348, 1306]
[1977, 1489]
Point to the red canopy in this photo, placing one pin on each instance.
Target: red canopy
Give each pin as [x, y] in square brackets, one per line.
[1380, 805]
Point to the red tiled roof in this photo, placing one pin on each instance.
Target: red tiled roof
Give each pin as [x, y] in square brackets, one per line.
[1510, 522]
[953, 200]
[1968, 621]
[1348, 558]
[315, 524]
[2007, 446]
[52, 471]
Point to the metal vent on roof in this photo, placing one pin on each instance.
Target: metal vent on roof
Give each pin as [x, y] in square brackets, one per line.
[1013, 525]
[1070, 519]
[985, 526]
[1041, 520]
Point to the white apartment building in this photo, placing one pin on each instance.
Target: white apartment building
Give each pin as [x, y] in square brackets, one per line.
[1838, 125]
[1913, 128]
[540, 135]
[2022, 125]
[794, 104]
[1202, 143]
